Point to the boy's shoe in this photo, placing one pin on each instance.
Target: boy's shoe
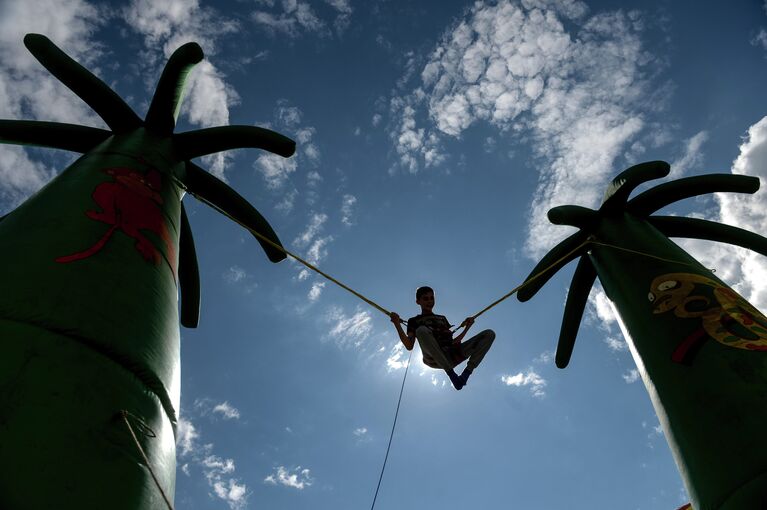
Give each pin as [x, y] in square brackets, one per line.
[464, 377]
[458, 383]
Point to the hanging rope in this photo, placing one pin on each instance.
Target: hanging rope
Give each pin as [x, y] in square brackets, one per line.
[589, 240]
[149, 432]
[396, 413]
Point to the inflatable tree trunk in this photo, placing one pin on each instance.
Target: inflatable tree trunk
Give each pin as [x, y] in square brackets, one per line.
[700, 348]
[90, 268]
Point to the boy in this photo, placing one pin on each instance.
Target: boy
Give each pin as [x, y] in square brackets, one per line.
[439, 348]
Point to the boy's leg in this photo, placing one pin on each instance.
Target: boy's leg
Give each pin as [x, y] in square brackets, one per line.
[430, 346]
[475, 349]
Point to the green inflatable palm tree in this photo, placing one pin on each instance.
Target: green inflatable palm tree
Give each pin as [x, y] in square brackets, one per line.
[700, 347]
[91, 268]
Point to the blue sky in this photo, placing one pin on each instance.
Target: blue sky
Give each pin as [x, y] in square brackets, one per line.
[432, 139]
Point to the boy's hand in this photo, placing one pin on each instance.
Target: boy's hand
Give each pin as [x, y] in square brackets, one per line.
[468, 322]
[395, 318]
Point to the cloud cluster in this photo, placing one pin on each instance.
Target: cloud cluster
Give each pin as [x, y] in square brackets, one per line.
[692, 155]
[315, 291]
[226, 411]
[28, 91]
[277, 170]
[298, 478]
[235, 274]
[314, 244]
[218, 472]
[348, 330]
[206, 407]
[573, 84]
[631, 376]
[745, 270]
[293, 18]
[347, 209]
[531, 379]
[397, 358]
[165, 26]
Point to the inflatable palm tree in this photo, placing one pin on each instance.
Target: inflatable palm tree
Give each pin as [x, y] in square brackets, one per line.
[90, 268]
[700, 347]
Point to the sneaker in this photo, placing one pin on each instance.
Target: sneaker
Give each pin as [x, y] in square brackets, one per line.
[464, 377]
[458, 383]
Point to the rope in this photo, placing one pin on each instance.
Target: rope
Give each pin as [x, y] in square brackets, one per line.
[124, 414]
[383, 468]
[297, 258]
[528, 281]
[648, 255]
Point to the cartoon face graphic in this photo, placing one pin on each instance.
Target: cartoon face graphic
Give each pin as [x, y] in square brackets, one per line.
[668, 293]
[724, 315]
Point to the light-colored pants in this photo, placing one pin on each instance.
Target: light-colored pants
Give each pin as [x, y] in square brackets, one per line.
[474, 349]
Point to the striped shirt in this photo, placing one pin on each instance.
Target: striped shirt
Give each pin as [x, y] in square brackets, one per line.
[440, 328]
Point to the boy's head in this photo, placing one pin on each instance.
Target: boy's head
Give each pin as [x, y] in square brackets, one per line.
[424, 297]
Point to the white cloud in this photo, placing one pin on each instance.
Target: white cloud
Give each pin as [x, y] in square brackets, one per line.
[348, 330]
[572, 84]
[235, 274]
[313, 178]
[295, 17]
[227, 411]
[207, 406]
[744, 270]
[692, 156]
[360, 432]
[760, 39]
[218, 471]
[165, 26]
[317, 251]
[288, 202]
[631, 376]
[28, 91]
[545, 357]
[275, 169]
[347, 209]
[616, 343]
[316, 291]
[316, 223]
[299, 478]
[290, 117]
[600, 309]
[187, 438]
[312, 152]
[344, 12]
[397, 358]
[530, 378]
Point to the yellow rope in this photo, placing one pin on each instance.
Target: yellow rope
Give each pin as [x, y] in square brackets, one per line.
[589, 240]
[299, 259]
[649, 255]
[124, 414]
[528, 281]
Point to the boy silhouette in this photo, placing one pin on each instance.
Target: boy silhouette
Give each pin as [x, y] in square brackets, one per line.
[439, 348]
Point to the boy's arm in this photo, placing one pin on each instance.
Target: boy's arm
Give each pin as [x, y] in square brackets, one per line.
[407, 340]
[468, 322]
